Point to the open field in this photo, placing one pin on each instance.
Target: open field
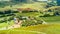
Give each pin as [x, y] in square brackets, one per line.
[6, 24]
[47, 29]
[54, 19]
[31, 25]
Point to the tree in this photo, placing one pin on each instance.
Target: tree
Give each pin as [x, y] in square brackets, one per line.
[52, 3]
[58, 2]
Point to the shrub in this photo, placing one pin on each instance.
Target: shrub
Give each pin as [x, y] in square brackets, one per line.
[15, 11]
[25, 11]
[1, 12]
[31, 22]
[3, 20]
[39, 22]
[46, 15]
[10, 14]
[2, 15]
[56, 13]
[35, 11]
[7, 12]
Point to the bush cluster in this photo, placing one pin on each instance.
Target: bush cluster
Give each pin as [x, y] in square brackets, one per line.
[26, 11]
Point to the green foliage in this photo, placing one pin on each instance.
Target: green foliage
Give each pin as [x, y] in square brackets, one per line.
[3, 4]
[53, 19]
[28, 11]
[50, 4]
[31, 22]
[7, 15]
[47, 15]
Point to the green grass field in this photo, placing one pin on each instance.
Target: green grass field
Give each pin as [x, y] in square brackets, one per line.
[6, 24]
[54, 19]
[47, 29]
[36, 29]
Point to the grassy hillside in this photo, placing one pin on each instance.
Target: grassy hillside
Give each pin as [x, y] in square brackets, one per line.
[54, 19]
[35, 5]
[47, 29]
[6, 24]
[31, 24]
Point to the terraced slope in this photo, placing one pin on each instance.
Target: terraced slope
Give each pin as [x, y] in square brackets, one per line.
[46, 29]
